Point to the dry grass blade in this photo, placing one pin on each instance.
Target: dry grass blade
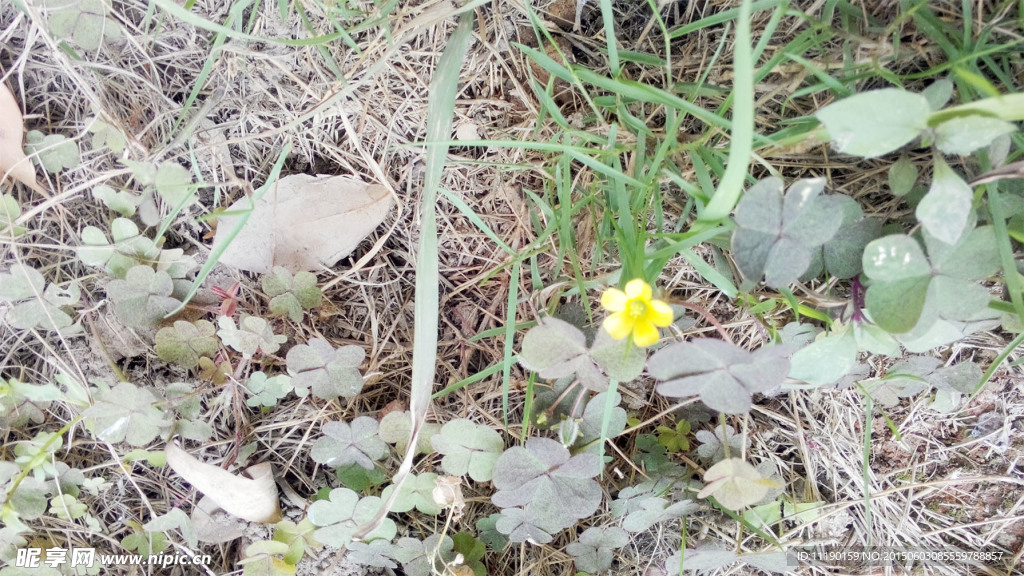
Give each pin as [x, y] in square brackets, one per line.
[441, 107]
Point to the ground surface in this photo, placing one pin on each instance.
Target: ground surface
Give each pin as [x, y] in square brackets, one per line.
[952, 481]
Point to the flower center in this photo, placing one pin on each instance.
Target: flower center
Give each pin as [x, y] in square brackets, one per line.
[637, 308]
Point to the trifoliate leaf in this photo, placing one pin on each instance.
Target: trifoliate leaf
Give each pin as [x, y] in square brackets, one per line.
[556, 349]
[776, 232]
[215, 373]
[798, 335]
[84, 22]
[298, 537]
[343, 444]
[903, 280]
[343, 513]
[185, 342]
[267, 391]
[916, 374]
[29, 500]
[145, 543]
[962, 135]
[182, 399]
[735, 484]
[128, 248]
[123, 202]
[416, 492]
[900, 275]
[594, 550]
[329, 372]
[67, 507]
[291, 295]
[377, 554]
[175, 263]
[424, 558]
[54, 152]
[521, 526]
[468, 448]
[723, 375]
[191, 424]
[143, 298]
[713, 444]
[945, 210]
[36, 304]
[620, 360]
[264, 558]
[173, 182]
[395, 428]
[554, 489]
[874, 123]
[104, 134]
[355, 477]
[487, 529]
[252, 334]
[674, 438]
[21, 402]
[902, 176]
[593, 417]
[10, 211]
[631, 498]
[175, 519]
[842, 254]
[472, 551]
[655, 510]
[126, 413]
[826, 359]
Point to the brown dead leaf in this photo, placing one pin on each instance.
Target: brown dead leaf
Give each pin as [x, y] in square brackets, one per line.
[253, 499]
[303, 222]
[13, 161]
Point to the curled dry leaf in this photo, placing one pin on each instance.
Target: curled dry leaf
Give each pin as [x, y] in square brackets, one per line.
[448, 493]
[303, 223]
[13, 161]
[253, 499]
[213, 525]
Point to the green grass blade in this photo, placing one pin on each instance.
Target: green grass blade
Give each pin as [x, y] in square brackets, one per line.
[606, 417]
[475, 219]
[741, 138]
[608, 19]
[510, 333]
[722, 17]
[709, 273]
[485, 373]
[1004, 246]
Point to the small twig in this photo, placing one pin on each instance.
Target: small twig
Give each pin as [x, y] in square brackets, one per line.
[707, 316]
[551, 409]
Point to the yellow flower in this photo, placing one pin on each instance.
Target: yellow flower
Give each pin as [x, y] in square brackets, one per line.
[635, 312]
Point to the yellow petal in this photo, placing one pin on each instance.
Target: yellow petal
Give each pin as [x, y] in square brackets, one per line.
[645, 334]
[619, 325]
[660, 313]
[614, 300]
[638, 289]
